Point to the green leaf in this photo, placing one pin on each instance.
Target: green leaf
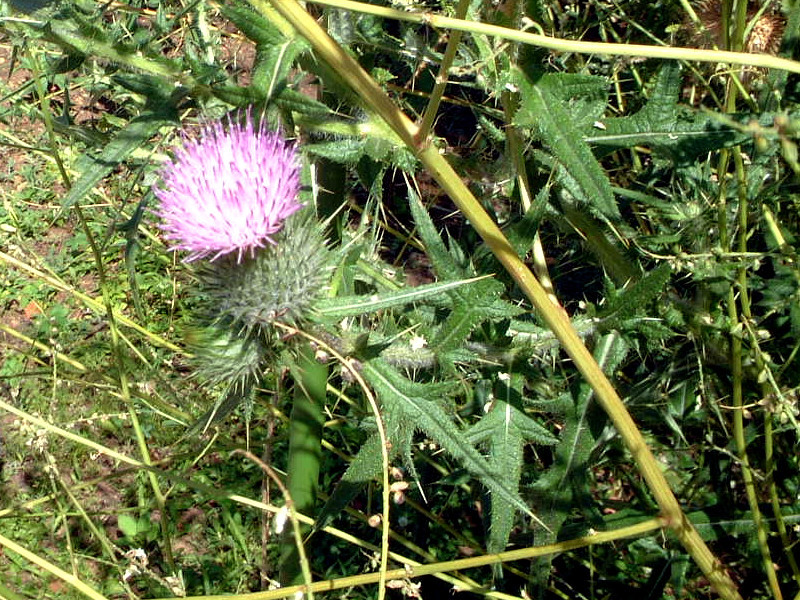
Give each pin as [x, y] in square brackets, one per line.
[584, 96]
[565, 484]
[131, 526]
[365, 467]
[290, 99]
[673, 132]
[275, 56]
[127, 524]
[406, 401]
[632, 299]
[345, 151]
[79, 35]
[506, 429]
[350, 306]
[350, 140]
[132, 137]
[481, 302]
[252, 24]
[542, 110]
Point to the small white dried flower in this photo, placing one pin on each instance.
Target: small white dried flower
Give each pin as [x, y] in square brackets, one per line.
[418, 342]
[281, 517]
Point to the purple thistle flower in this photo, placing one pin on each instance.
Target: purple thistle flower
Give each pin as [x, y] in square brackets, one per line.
[228, 191]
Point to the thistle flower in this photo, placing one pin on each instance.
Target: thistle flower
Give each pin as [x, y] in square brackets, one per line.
[228, 191]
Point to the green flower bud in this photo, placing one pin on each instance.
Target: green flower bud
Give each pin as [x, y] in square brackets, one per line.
[280, 282]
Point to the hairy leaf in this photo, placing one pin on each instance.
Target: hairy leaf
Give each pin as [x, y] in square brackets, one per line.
[94, 167]
[669, 130]
[349, 306]
[506, 429]
[420, 403]
[406, 408]
[472, 306]
[631, 300]
[565, 484]
[584, 96]
[542, 110]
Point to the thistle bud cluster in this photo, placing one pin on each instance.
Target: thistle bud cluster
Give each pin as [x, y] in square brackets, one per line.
[230, 199]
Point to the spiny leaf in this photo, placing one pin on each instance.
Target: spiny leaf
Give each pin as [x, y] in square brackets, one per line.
[94, 168]
[507, 429]
[253, 25]
[349, 306]
[78, 35]
[479, 303]
[345, 151]
[669, 130]
[289, 99]
[417, 403]
[364, 468]
[443, 262]
[482, 302]
[272, 66]
[541, 110]
[565, 484]
[585, 96]
[632, 299]
[368, 463]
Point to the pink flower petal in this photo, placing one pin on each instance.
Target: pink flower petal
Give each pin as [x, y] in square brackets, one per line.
[228, 191]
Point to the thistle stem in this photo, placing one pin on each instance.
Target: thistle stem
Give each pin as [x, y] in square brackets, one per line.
[305, 452]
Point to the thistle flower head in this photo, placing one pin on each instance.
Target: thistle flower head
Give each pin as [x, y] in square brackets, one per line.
[228, 191]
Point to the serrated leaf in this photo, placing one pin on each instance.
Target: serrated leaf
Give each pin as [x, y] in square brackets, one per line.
[73, 32]
[252, 24]
[365, 467]
[272, 66]
[349, 306]
[93, 168]
[472, 307]
[507, 429]
[669, 130]
[344, 151]
[542, 110]
[237, 95]
[293, 100]
[418, 403]
[565, 484]
[368, 463]
[584, 96]
[631, 300]
[441, 259]
[479, 303]
[29, 7]
[156, 89]
[342, 25]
